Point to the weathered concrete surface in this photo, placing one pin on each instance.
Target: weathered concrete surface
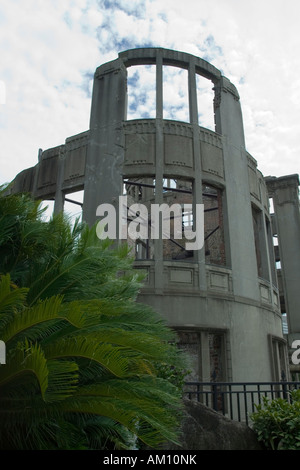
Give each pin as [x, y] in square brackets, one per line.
[286, 225]
[226, 291]
[205, 429]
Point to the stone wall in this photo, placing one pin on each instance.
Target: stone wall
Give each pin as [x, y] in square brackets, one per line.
[205, 429]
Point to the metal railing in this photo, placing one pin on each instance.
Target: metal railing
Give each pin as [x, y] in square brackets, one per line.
[237, 400]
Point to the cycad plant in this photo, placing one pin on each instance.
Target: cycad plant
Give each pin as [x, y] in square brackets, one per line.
[81, 352]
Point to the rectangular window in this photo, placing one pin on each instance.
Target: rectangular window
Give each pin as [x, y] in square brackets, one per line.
[48, 206]
[279, 359]
[175, 94]
[213, 226]
[177, 194]
[205, 97]
[206, 349]
[260, 234]
[140, 194]
[141, 84]
[73, 203]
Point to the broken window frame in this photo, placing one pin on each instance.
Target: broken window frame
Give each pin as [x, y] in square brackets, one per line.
[211, 191]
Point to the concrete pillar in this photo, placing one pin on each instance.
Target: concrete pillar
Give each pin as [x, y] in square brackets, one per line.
[103, 172]
[229, 123]
[59, 194]
[159, 171]
[285, 193]
[197, 186]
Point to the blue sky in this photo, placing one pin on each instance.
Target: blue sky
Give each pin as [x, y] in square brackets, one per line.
[49, 50]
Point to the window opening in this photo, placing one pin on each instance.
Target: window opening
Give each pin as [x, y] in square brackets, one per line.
[139, 191]
[175, 94]
[178, 192]
[48, 206]
[216, 355]
[73, 203]
[260, 243]
[279, 359]
[189, 341]
[176, 216]
[207, 352]
[205, 102]
[213, 225]
[285, 328]
[271, 205]
[177, 195]
[273, 251]
[141, 91]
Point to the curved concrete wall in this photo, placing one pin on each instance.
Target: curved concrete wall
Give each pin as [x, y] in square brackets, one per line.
[222, 299]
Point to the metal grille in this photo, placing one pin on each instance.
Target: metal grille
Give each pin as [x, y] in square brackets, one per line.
[237, 400]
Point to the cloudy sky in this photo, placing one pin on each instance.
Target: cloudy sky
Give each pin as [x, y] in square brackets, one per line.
[49, 50]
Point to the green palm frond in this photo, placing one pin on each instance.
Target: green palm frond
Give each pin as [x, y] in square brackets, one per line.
[29, 317]
[23, 362]
[62, 380]
[10, 299]
[84, 358]
[147, 345]
[142, 416]
[105, 433]
[112, 358]
[43, 320]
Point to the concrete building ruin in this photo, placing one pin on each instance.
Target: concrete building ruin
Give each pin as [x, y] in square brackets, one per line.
[225, 300]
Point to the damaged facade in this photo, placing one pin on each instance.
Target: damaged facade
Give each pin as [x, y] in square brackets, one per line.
[224, 300]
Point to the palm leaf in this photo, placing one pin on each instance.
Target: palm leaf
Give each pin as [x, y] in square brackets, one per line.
[29, 317]
[141, 416]
[62, 380]
[81, 352]
[143, 345]
[10, 297]
[44, 320]
[110, 357]
[27, 360]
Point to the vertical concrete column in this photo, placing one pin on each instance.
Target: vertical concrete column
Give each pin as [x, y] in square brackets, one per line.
[36, 173]
[59, 195]
[192, 88]
[159, 171]
[269, 257]
[285, 193]
[197, 184]
[205, 357]
[105, 154]
[239, 225]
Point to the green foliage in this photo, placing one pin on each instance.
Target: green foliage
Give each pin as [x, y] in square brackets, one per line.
[84, 358]
[177, 369]
[277, 422]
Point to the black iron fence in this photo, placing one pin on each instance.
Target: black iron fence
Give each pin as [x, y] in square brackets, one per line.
[237, 400]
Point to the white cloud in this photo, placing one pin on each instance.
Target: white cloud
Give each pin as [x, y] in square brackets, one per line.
[50, 50]
[42, 65]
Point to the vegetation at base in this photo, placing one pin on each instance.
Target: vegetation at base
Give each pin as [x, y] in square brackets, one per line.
[85, 362]
[277, 422]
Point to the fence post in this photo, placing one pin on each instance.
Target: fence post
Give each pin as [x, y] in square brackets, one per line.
[284, 385]
[215, 390]
[215, 397]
